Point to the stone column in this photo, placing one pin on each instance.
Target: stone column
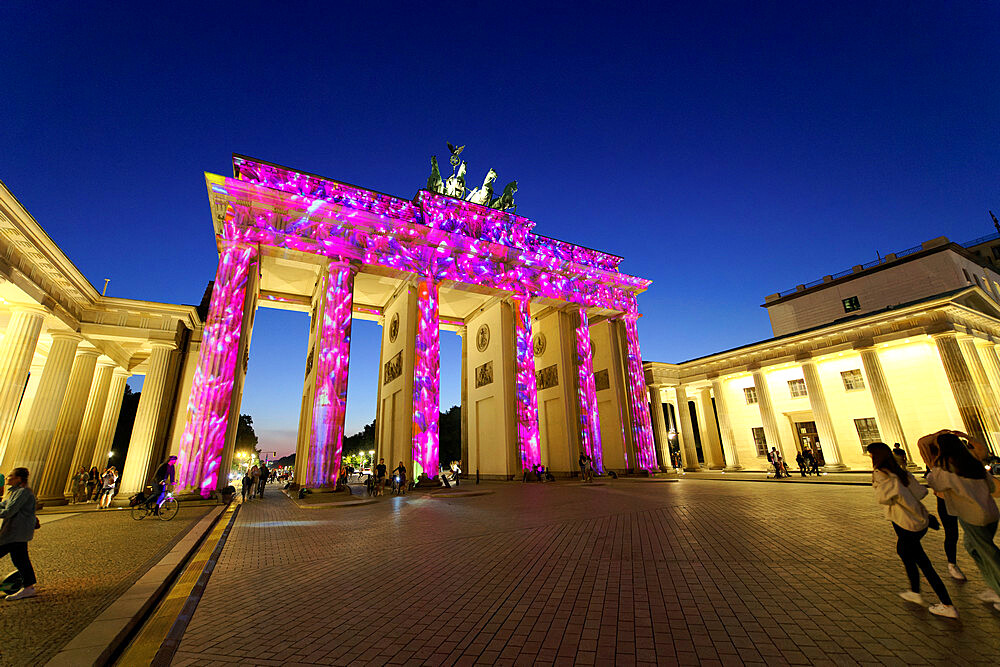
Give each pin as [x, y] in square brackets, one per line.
[464, 333]
[525, 386]
[689, 451]
[33, 450]
[326, 436]
[821, 415]
[767, 413]
[963, 387]
[16, 352]
[725, 427]
[586, 393]
[711, 443]
[659, 425]
[988, 357]
[109, 419]
[135, 475]
[51, 483]
[982, 383]
[90, 427]
[202, 445]
[890, 428]
[635, 382]
[426, 381]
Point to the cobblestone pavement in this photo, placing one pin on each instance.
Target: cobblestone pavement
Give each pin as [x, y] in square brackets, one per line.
[83, 562]
[626, 572]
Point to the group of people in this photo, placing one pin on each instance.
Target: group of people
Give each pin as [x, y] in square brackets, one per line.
[94, 486]
[254, 481]
[808, 465]
[965, 493]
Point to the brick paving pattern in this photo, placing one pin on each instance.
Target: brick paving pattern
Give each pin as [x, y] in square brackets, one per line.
[628, 572]
[83, 562]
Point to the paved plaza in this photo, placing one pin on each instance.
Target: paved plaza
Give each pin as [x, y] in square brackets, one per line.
[629, 571]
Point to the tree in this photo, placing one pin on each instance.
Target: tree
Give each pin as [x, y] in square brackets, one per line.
[246, 438]
[123, 432]
[450, 434]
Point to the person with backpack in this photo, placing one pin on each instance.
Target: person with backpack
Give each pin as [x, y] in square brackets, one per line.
[900, 492]
[17, 529]
[960, 477]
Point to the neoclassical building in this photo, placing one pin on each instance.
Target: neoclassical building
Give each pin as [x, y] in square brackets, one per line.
[885, 351]
[65, 355]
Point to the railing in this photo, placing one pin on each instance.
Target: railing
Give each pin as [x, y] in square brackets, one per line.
[982, 239]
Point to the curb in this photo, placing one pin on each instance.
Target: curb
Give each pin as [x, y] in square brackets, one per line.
[778, 481]
[108, 633]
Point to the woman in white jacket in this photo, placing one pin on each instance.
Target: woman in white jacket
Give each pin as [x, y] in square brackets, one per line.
[900, 492]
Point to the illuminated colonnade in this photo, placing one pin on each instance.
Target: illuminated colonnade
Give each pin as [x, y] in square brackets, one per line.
[431, 249]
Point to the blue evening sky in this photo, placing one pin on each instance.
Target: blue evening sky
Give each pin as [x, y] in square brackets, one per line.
[726, 150]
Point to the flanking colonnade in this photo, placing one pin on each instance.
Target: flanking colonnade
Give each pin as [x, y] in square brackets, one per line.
[892, 377]
[417, 258]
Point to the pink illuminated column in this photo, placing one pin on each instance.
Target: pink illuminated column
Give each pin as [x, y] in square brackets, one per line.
[586, 394]
[642, 427]
[426, 380]
[525, 387]
[204, 438]
[326, 437]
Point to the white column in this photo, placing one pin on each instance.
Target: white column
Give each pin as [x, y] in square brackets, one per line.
[16, 351]
[890, 428]
[659, 426]
[147, 417]
[725, 427]
[50, 483]
[109, 419]
[821, 415]
[688, 446]
[767, 413]
[91, 424]
[982, 384]
[963, 388]
[710, 442]
[32, 450]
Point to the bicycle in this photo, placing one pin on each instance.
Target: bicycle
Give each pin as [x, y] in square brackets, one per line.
[143, 506]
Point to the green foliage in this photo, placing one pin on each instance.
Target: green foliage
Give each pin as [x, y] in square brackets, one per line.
[450, 430]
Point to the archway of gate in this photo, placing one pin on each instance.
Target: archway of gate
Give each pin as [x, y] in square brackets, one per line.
[550, 347]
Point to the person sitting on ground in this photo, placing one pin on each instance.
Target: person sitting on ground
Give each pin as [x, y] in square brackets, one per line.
[108, 481]
[17, 529]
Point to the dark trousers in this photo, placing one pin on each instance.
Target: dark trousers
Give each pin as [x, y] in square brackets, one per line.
[19, 556]
[911, 552]
[950, 523]
[814, 468]
[260, 487]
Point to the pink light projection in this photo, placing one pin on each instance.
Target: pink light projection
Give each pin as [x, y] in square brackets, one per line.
[204, 437]
[525, 386]
[642, 427]
[586, 393]
[426, 380]
[326, 441]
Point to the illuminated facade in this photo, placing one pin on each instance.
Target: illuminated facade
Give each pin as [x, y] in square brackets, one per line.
[887, 351]
[554, 366]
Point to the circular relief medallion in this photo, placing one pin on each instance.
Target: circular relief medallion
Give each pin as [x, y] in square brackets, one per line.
[538, 344]
[394, 328]
[483, 338]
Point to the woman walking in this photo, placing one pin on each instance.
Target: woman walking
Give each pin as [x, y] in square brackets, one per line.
[17, 529]
[929, 452]
[900, 492]
[961, 479]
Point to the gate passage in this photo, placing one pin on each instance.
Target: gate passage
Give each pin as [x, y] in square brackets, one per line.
[293, 240]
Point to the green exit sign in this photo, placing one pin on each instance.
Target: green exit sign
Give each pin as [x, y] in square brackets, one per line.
[851, 303]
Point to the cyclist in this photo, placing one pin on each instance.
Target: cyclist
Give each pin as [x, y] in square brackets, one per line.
[399, 479]
[163, 477]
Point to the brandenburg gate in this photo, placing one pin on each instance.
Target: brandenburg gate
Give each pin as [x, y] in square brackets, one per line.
[551, 362]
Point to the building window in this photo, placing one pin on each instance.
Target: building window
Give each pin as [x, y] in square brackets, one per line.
[853, 380]
[996, 251]
[759, 440]
[751, 394]
[851, 303]
[797, 388]
[867, 431]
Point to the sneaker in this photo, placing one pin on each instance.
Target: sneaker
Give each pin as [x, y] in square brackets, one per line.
[955, 572]
[910, 596]
[988, 595]
[946, 610]
[26, 592]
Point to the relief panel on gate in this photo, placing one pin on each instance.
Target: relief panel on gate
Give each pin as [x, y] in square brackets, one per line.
[548, 377]
[393, 368]
[601, 380]
[484, 374]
